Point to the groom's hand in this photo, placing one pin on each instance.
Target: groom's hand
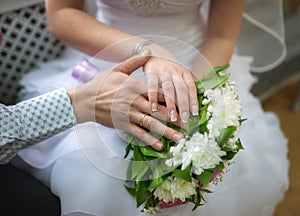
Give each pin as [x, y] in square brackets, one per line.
[116, 100]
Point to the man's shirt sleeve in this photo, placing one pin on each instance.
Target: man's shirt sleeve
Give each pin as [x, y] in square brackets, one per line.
[34, 120]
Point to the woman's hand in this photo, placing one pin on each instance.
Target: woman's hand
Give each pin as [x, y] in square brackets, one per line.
[115, 99]
[176, 83]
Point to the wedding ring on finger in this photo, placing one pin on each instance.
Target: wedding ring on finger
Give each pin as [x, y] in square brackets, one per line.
[141, 119]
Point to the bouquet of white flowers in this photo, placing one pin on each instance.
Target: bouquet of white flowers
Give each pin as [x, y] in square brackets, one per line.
[182, 172]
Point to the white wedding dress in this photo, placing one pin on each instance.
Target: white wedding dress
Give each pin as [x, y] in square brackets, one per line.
[83, 166]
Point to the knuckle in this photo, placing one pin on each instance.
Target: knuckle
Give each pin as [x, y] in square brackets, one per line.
[140, 133]
[168, 133]
[152, 86]
[181, 89]
[191, 86]
[184, 107]
[167, 86]
[152, 124]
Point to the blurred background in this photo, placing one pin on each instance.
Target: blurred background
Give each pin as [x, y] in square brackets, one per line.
[279, 89]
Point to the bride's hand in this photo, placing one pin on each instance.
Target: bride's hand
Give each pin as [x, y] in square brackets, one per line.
[115, 99]
[176, 82]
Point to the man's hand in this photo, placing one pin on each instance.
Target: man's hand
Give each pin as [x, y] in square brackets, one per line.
[116, 100]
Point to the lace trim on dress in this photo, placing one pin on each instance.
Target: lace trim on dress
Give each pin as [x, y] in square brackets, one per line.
[145, 7]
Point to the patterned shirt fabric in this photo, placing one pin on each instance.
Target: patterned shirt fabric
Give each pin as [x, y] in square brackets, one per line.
[33, 120]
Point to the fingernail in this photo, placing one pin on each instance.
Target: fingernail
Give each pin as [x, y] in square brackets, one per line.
[184, 117]
[154, 107]
[195, 110]
[173, 116]
[145, 52]
[177, 137]
[158, 146]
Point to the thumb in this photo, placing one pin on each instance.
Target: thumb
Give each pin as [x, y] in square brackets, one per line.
[133, 63]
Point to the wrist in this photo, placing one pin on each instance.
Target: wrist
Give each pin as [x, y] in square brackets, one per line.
[70, 93]
[80, 104]
[139, 47]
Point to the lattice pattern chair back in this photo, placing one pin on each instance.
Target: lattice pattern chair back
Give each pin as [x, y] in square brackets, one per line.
[26, 42]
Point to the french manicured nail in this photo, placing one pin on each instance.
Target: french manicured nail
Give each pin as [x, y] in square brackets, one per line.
[158, 146]
[145, 52]
[184, 117]
[195, 110]
[173, 116]
[154, 107]
[177, 137]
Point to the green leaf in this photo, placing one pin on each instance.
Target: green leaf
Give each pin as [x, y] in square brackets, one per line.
[205, 190]
[196, 122]
[229, 155]
[142, 173]
[129, 170]
[166, 143]
[205, 177]
[226, 134]
[137, 168]
[218, 69]
[183, 174]
[198, 199]
[137, 156]
[142, 194]
[239, 145]
[163, 169]
[203, 128]
[155, 182]
[139, 165]
[200, 99]
[220, 166]
[160, 174]
[242, 120]
[149, 151]
[212, 81]
[131, 191]
[203, 115]
[193, 125]
[128, 149]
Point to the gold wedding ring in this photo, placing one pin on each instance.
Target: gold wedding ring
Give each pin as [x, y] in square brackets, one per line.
[141, 119]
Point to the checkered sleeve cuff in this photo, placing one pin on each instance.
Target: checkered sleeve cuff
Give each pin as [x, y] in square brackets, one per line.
[34, 120]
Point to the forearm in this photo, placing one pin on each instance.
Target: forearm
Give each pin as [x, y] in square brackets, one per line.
[68, 22]
[222, 30]
[32, 121]
[218, 51]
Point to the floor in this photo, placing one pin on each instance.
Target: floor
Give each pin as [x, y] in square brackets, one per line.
[280, 103]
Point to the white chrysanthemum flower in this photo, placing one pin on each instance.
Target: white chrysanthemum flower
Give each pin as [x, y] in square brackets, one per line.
[175, 188]
[200, 151]
[176, 154]
[224, 108]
